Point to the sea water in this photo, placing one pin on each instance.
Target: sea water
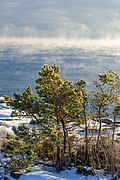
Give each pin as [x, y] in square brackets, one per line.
[22, 59]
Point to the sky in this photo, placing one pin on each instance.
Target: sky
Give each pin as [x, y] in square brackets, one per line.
[76, 19]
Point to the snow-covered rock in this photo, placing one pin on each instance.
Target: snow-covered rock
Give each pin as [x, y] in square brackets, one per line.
[3, 132]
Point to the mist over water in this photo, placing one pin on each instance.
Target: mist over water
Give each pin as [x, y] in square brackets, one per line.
[21, 59]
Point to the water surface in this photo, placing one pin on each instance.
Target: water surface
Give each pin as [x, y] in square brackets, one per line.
[20, 61]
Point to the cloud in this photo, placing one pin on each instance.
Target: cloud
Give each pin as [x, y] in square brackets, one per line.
[69, 29]
[111, 30]
[11, 5]
[65, 18]
[64, 29]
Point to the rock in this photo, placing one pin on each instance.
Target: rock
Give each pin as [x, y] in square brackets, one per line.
[15, 175]
[85, 170]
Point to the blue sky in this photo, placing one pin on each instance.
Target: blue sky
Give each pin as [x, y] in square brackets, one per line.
[60, 18]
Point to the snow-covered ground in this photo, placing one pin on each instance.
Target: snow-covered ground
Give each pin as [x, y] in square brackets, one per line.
[6, 124]
[41, 174]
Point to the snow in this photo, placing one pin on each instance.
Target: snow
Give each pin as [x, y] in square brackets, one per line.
[3, 105]
[16, 123]
[5, 113]
[41, 174]
[5, 117]
[2, 99]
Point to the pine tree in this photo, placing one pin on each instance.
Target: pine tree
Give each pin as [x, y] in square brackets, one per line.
[105, 95]
[55, 105]
[61, 106]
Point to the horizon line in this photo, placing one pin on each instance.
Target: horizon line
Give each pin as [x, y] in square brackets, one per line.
[60, 41]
